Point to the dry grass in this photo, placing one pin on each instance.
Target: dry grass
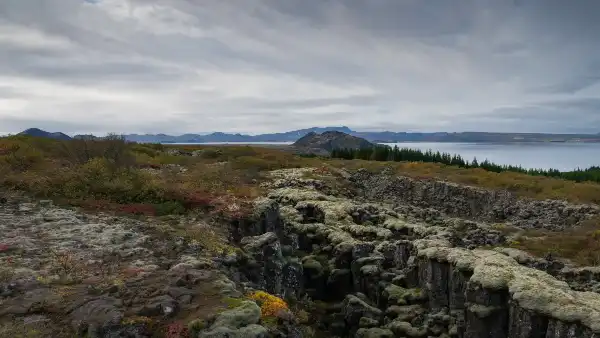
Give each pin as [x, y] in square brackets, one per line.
[580, 245]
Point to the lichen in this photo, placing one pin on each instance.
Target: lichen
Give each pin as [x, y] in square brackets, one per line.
[532, 289]
[294, 195]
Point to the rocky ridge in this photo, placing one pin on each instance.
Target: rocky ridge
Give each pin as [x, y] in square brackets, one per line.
[394, 271]
[472, 202]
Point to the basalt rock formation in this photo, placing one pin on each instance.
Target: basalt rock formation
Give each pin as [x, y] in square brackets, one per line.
[390, 270]
[471, 202]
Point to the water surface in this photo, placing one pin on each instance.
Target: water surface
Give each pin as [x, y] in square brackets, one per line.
[544, 155]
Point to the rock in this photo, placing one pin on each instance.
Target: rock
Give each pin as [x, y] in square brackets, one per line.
[266, 252]
[99, 317]
[353, 309]
[405, 329]
[374, 333]
[250, 331]
[396, 295]
[420, 266]
[472, 202]
[45, 203]
[162, 305]
[246, 313]
[322, 144]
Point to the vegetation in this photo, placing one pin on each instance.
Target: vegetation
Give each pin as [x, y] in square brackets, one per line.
[146, 179]
[385, 153]
[142, 179]
[270, 306]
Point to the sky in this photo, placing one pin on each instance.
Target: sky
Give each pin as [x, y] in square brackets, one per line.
[258, 66]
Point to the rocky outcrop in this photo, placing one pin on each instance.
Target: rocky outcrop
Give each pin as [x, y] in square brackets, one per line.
[473, 203]
[408, 271]
[67, 273]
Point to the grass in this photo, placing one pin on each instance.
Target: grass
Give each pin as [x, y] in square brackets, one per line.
[581, 244]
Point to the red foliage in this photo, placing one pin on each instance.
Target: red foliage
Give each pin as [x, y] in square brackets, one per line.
[150, 165]
[93, 205]
[137, 209]
[177, 330]
[132, 272]
[4, 247]
[194, 199]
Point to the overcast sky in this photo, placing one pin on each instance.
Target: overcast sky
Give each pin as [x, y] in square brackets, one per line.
[179, 66]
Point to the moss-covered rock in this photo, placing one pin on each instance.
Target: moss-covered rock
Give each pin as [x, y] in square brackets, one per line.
[374, 333]
[246, 313]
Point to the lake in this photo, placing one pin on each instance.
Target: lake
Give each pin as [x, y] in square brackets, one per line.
[561, 156]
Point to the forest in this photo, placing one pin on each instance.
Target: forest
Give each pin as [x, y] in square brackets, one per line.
[396, 154]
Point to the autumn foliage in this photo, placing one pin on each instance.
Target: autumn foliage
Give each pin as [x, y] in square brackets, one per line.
[270, 306]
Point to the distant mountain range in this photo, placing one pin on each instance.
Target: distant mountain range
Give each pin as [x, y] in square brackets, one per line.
[381, 137]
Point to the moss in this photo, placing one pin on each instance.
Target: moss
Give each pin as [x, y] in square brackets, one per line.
[310, 263]
[232, 303]
[269, 322]
[195, 326]
[248, 312]
[402, 296]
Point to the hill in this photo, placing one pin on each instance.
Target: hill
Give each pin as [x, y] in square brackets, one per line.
[325, 142]
[42, 133]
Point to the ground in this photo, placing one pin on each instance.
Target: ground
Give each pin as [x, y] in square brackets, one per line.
[130, 233]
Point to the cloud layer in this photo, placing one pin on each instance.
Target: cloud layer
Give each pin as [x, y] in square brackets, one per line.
[178, 66]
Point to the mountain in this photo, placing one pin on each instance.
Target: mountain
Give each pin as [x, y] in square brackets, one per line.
[377, 137]
[290, 136]
[42, 133]
[380, 137]
[325, 142]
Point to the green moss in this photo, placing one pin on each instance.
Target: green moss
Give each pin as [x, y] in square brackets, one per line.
[232, 303]
[402, 296]
[269, 322]
[195, 326]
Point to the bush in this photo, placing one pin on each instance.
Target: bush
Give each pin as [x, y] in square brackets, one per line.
[270, 306]
[21, 157]
[169, 208]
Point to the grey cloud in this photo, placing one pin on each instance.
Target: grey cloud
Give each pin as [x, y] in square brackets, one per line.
[178, 66]
[355, 100]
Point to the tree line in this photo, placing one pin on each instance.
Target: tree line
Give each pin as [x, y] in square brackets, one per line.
[396, 154]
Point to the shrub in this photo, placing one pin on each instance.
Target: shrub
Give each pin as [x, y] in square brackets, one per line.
[138, 209]
[270, 306]
[177, 330]
[169, 208]
[21, 157]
